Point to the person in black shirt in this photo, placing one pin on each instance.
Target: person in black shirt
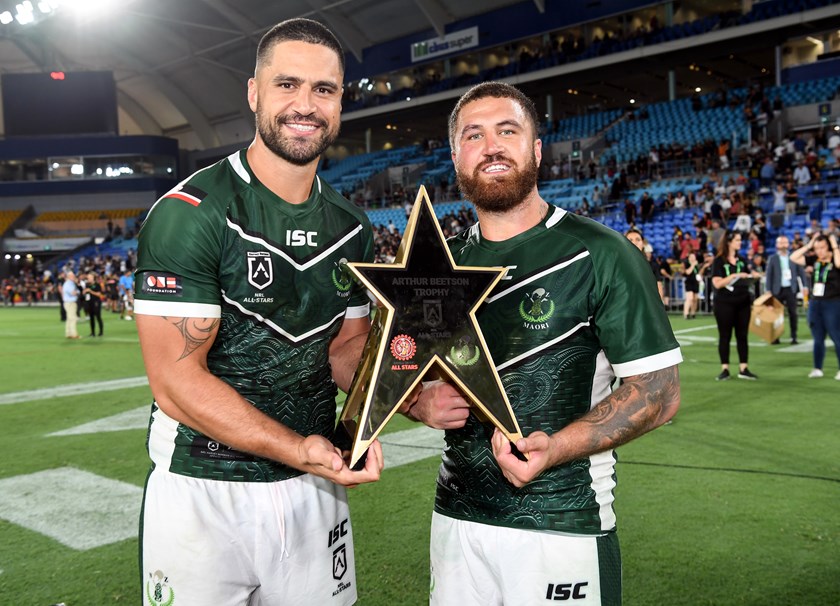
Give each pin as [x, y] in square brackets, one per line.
[94, 294]
[731, 279]
[824, 308]
[691, 271]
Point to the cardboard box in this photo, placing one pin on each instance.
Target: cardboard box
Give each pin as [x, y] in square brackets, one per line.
[767, 320]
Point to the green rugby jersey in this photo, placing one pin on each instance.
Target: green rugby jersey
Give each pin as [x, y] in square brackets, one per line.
[578, 307]
[222, 245]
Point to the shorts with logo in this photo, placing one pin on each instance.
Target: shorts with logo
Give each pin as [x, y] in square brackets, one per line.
[476, 564]
[246, 543]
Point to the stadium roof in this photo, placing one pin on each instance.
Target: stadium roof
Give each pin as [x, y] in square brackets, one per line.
[181, 65]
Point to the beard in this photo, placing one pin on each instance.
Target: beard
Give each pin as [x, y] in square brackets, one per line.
[299, 151]
[502, 193]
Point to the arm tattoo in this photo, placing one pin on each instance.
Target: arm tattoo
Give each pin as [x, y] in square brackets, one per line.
[196, 332]
[633, 409]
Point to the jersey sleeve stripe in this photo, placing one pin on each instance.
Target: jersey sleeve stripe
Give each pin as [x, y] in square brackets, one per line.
[177, 309]
[649, 364]
[361, 311]
[186, 198]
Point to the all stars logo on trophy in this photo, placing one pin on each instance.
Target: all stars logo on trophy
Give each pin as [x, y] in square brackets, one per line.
[425, 328]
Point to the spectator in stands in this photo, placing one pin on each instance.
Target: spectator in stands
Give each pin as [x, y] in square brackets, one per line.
[723, 154]
[676, 242]
[813, 229]
[791, 198]
[70, 297]
[779, 199]
[824, 302]
[637, 239]
[802, 175]
[743, 222]
[732, 281]
[767, 173]
[646, 204]
[834, 147]
[784, 280]
[596, 198]
[833, 228]
[679, 201]
[629, 212]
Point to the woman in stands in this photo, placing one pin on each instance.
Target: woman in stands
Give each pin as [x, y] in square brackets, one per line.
[731, 279]
[824, 306]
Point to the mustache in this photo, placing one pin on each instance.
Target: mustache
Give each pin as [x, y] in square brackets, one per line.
[297, 118]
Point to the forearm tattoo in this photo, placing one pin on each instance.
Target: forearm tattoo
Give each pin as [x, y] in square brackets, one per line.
[196, 332]
[633, 409]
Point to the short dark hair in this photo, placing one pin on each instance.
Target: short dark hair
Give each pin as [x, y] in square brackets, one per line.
[499, 90]
[299, 30]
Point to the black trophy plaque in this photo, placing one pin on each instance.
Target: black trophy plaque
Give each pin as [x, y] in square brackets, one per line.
[425, 327]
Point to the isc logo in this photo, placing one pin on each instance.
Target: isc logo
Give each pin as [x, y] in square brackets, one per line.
[339, 531]
[565, 591]
[298, 237]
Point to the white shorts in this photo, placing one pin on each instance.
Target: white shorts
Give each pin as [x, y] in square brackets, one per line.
[236, 543]
[479, 564]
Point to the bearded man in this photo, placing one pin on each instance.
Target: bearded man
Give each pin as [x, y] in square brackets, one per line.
[245, 337]
[510, 530]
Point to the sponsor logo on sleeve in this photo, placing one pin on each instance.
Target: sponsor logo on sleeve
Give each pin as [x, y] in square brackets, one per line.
[160, 283]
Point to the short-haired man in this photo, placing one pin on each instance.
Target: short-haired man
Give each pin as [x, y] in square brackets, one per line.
[70, 299]
[785, 279]
[580, 308]
[247, 324]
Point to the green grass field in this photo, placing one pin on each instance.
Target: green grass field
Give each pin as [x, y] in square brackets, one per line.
[734, 503]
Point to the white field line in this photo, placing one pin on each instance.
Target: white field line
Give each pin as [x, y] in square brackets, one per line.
[74, 389]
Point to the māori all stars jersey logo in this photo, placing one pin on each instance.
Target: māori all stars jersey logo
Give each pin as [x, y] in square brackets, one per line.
[536, 308]
[341, 278]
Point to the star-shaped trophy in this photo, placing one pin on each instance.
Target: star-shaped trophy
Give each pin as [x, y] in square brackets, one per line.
[425, 328]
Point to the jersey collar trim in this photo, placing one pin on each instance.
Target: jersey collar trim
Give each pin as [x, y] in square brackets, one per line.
[235, 160]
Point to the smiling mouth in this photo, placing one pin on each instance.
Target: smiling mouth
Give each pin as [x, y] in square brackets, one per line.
[495, 168]
[302, 128]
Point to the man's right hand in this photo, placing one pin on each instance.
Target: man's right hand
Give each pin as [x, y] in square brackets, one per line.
[440, 406]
